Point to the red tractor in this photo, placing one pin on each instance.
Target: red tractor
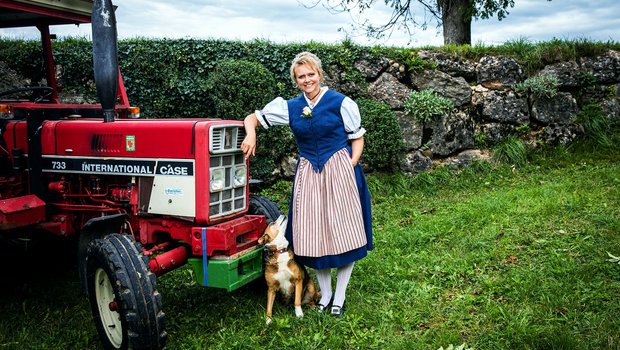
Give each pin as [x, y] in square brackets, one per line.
[142, 197]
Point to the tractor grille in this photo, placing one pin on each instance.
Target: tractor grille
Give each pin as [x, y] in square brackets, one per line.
[228, 172]
[225, 139]
[108, 143]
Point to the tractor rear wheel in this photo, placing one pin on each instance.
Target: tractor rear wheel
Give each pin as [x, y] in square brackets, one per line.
[260, 205]
[123, 295]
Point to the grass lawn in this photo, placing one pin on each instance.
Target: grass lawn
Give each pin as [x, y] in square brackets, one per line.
[492, 256]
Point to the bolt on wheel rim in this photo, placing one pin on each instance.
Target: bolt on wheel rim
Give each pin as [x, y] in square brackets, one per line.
[111, 320]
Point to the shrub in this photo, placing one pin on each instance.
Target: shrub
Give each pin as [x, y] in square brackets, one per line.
[426, 105]
[383, 146]
[539, 86]
[272, 146]
[511, 151]
[238, 87]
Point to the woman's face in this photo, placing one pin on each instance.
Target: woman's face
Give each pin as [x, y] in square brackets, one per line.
[307, 79]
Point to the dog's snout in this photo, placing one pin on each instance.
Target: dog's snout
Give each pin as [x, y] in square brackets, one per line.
[264, 239]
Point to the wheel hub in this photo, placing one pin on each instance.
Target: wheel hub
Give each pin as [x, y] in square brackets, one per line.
[108, 308]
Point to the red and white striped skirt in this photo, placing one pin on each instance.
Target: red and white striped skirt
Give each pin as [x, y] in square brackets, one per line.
[327, 215]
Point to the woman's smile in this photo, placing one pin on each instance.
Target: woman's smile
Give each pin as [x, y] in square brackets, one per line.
[307, 79]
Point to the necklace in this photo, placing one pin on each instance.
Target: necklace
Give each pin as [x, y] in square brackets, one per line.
[317, 94]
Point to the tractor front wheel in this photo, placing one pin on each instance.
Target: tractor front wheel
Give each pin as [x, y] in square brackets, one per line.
[123, 295]
[260, 205]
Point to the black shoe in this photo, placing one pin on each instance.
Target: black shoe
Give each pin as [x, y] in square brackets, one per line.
[320, 307]
[337, 311]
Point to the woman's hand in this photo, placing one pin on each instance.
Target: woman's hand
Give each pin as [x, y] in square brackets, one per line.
[248, 146]
[357, 147]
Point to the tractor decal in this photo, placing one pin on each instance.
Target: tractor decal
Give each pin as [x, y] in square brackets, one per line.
[117, 166]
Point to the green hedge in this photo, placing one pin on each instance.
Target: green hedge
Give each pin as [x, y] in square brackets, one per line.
[212, 78]
[162, 74]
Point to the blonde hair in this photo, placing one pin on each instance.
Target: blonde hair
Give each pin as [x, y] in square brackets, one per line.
[311, 60]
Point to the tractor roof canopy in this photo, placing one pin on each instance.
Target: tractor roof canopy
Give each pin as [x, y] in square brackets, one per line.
[31, 13]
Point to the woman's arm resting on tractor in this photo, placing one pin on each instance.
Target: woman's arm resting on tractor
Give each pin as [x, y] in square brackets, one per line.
[248, 146]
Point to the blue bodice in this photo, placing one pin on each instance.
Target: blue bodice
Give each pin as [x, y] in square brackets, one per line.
[322, 134]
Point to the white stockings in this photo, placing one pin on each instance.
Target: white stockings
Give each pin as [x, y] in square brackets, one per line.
[343, 276]
[324, 277]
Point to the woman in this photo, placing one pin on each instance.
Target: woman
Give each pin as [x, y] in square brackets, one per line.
[329, 216]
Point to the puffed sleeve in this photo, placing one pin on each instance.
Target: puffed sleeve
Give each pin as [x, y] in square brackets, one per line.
[275, 113]
[352, 119]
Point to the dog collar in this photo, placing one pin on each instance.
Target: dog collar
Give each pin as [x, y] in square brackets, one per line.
[280, 251]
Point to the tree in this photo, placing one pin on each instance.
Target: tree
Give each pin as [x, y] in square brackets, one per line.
[455, 16]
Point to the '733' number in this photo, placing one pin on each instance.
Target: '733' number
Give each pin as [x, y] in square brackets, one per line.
[59, 165]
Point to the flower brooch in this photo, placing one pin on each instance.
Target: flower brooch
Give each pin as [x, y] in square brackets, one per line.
[306, 112]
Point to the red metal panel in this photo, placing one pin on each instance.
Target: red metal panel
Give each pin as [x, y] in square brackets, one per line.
[201, 150]
[21, 211]
[16, 136]
[229, 237]
[151, 228]
[161, 138]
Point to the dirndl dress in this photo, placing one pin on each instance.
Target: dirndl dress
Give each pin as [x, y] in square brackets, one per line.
[330, 220]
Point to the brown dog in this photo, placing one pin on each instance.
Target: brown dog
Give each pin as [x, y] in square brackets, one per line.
[283, 273]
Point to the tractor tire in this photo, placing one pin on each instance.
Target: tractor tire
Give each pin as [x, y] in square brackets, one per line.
[260, 205]
[95, 228]
[122, 290]
[83, 243]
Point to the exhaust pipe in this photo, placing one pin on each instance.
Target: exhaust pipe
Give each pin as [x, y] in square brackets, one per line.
[105, 60]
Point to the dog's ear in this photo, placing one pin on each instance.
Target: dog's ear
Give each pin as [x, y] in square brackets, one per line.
[280, 220]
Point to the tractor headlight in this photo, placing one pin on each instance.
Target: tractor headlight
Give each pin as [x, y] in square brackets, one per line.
[134, 112]
[240, 176]
[6, 112]
[217, 179]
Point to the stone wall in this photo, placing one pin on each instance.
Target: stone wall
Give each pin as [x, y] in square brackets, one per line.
[486, 103]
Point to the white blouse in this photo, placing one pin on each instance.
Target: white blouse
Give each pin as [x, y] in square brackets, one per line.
[275, 113]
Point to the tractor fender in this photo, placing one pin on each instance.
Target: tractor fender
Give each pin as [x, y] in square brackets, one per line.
[95, 228]
[108, 223]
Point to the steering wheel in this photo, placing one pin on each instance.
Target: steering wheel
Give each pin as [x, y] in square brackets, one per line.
[39, 93]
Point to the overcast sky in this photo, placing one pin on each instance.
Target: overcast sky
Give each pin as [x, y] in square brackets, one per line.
[285, 21]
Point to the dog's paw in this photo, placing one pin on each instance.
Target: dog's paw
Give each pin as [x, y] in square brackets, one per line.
[298, 312]
[267, 320]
